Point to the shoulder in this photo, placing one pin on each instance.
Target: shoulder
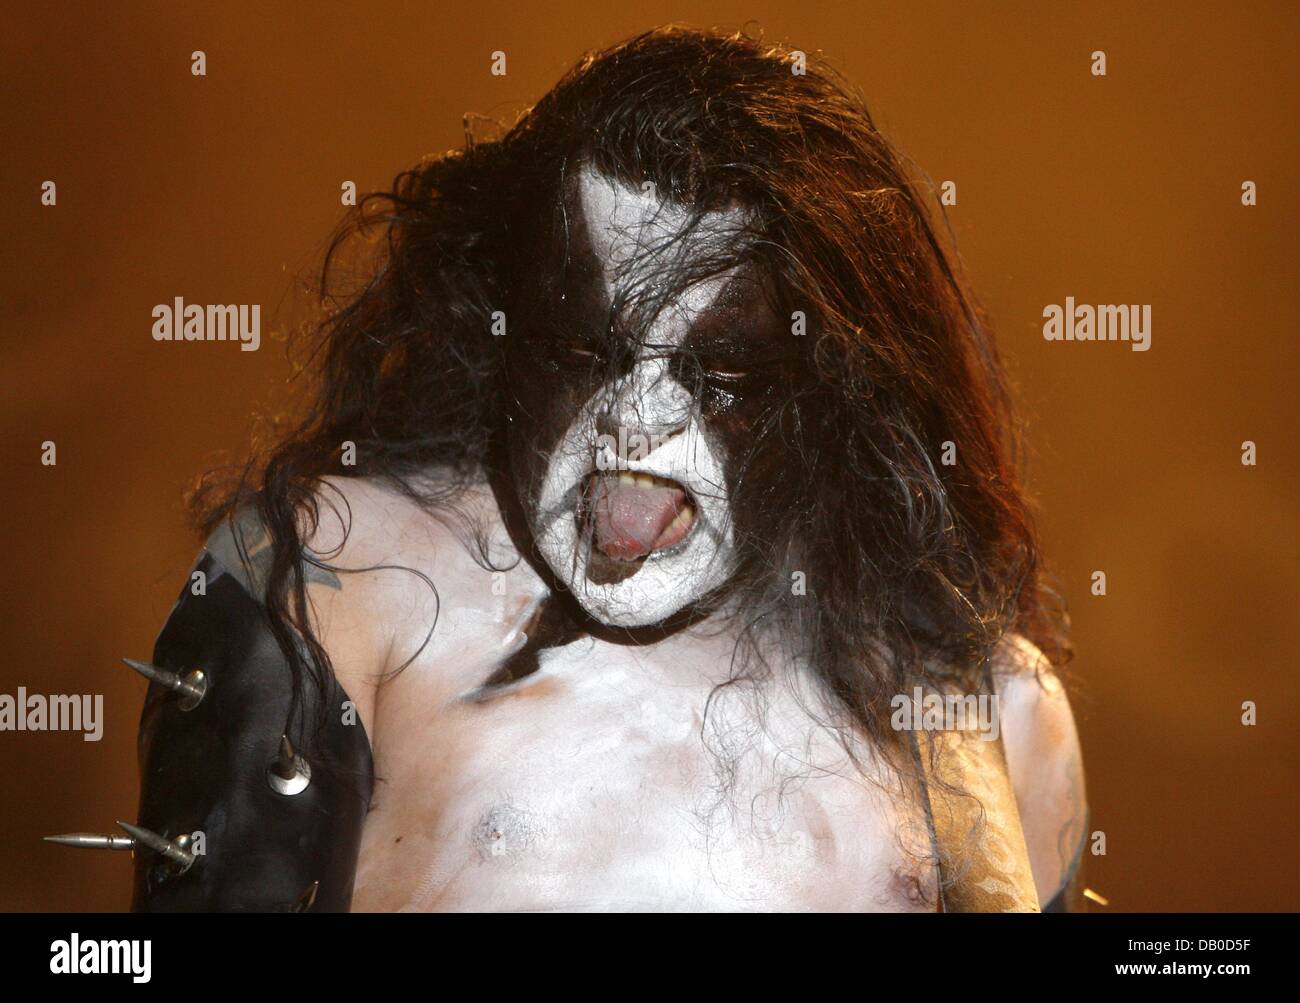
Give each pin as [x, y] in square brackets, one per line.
[373, 530]
[413, 572]
[379, 569]
[396, 559]
[1044, 759]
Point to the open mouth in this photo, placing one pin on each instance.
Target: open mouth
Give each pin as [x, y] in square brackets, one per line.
[629, 517]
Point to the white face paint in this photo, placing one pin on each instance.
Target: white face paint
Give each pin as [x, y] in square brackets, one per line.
[622, 223]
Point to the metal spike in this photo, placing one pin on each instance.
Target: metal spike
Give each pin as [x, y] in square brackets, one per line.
[93, 841]
[191, 687]
[151, 672]
[290, 773]
[170, 849]
[285, 767]
[307, 899]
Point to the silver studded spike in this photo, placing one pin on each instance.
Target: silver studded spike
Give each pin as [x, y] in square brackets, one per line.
[174, 850]
[93, 841]
[290, 773]
[307, 899]
[191, 687]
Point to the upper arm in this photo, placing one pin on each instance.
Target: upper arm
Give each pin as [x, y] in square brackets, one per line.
[209, 763]
[1045, 763]
[337, 601]
[397, 571]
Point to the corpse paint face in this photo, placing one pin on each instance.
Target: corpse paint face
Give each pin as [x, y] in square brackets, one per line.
[629, 432]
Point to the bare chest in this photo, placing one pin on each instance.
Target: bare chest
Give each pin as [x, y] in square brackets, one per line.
[626, 778]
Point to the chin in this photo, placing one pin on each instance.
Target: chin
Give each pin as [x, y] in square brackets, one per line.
[651, 596]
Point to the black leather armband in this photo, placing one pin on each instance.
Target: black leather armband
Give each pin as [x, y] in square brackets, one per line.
[268, 826]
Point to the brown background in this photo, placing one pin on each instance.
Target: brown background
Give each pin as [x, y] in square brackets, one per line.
[1123, 189]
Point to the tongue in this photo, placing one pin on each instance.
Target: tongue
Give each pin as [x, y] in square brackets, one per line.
[629, 518]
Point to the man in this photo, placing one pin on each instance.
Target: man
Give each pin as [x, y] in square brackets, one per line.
[660, 470]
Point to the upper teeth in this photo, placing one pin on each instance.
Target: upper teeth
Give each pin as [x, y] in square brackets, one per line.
[630, 477]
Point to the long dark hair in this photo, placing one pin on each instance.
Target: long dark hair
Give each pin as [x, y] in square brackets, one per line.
[915, 568]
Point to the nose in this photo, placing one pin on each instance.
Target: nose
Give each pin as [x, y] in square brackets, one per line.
[647, 401]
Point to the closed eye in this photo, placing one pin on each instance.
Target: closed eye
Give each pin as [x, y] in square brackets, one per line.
[727, 367]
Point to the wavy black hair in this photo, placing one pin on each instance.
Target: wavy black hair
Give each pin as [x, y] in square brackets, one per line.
[915, 568]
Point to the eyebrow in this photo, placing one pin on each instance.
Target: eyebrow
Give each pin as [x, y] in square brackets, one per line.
[735, 331]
